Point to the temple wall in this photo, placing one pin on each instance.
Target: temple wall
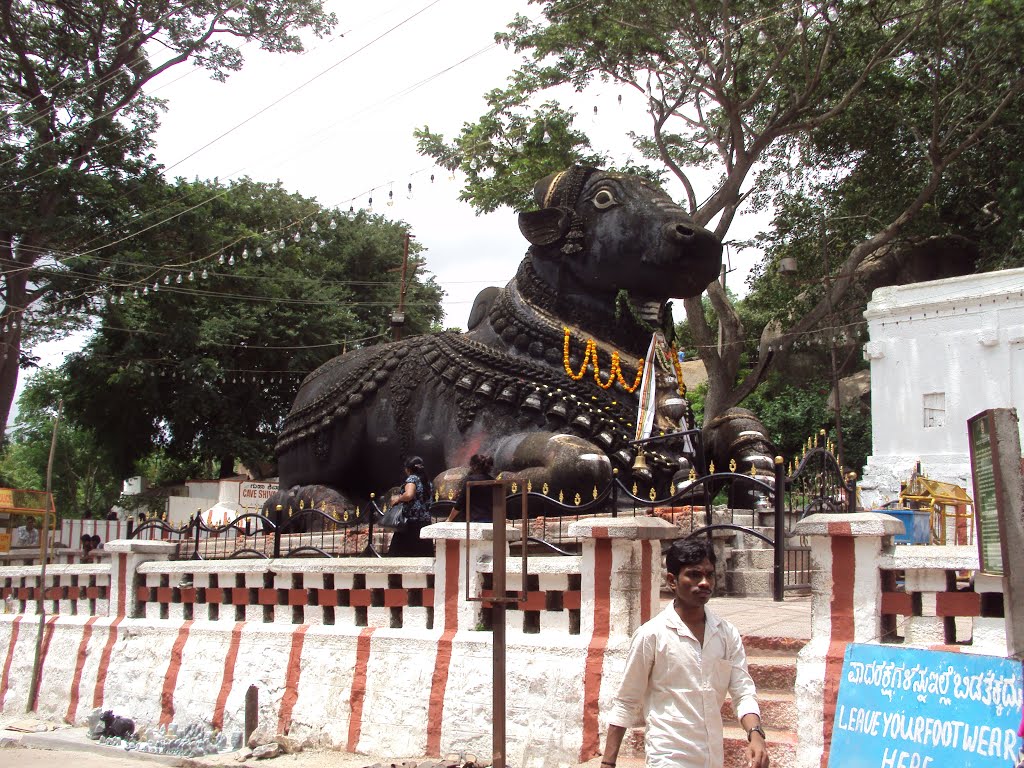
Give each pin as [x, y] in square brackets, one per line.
[377, 656]
[940, 352]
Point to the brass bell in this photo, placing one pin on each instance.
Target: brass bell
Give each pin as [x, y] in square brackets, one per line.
[640, 462]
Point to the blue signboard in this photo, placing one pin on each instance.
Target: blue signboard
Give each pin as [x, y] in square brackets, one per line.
[910, 708]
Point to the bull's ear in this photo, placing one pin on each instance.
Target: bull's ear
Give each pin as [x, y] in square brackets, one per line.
[546, 226]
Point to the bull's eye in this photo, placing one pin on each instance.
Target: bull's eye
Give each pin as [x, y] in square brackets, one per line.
[604, 199]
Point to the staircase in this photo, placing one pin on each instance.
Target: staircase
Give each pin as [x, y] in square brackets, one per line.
[772, 664]
[750, 561]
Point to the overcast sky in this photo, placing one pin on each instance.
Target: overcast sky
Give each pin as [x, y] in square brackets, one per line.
[349, 131]
[336, 123]
[401, 64]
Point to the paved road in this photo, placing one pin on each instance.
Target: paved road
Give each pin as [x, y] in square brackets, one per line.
[20, 757]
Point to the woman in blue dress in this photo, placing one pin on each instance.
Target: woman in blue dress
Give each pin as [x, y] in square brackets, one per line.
[416, 497]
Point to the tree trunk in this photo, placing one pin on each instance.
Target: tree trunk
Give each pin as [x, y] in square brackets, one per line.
[227, 467]
[10, 352]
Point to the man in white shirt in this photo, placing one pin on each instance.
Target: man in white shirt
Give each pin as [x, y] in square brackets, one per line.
[27, 535]
[681, 664]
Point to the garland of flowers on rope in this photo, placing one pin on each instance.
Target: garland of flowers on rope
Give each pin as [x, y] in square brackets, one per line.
[590, 354]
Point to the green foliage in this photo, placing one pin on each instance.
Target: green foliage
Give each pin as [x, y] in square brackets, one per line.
[792, 413]
[83, 479]
[864, 125]
[206, 369]
[75, 136]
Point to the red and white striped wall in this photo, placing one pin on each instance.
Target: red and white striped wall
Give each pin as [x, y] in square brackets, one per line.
[421, 688]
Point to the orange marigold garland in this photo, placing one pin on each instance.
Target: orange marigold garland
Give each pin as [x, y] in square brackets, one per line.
[614, 371]
[681, 385]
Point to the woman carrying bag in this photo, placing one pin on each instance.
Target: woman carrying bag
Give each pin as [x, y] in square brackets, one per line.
[406, 542]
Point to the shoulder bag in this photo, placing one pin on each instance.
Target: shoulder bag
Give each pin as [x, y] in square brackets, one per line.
[395, 518]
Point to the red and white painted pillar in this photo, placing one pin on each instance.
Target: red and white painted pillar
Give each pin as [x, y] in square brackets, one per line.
[845, 608]
[622, 572]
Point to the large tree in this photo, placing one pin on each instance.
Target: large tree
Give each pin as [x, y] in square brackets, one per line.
[83, 479]
[76, 126]
[216, 315]
[745, 91]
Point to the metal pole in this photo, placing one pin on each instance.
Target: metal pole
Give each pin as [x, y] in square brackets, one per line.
[779, 569]
[832, 348]
[498, 633]
[400, 313]
[721, 330]
[44, 543]
[252, 713]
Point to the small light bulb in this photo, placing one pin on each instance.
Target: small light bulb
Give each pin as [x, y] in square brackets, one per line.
[334, 224]
[313, 227]
[231, 261]
[178, 279]
[259, 252]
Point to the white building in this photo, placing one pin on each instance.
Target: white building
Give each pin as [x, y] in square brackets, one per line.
[940, 352]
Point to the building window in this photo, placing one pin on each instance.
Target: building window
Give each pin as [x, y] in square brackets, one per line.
[934, 410]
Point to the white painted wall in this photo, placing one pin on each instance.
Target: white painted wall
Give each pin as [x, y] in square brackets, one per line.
[940, 352]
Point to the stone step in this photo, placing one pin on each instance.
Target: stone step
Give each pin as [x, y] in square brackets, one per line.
[753, 583]
[781, 748]
[755, 559]
[783, 648]
[771, 672]
[778, 710]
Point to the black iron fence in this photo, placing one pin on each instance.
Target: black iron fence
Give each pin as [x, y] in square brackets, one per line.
[763, 509]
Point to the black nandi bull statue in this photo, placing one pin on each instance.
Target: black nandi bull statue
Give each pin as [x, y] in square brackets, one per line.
[607, 252]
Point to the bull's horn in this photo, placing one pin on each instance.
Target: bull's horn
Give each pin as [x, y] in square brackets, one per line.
[562, 188]
[546, 226]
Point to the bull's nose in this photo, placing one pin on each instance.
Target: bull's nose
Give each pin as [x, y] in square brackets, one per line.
[680, 233]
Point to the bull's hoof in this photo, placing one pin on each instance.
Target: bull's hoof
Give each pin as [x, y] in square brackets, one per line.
[299, 498]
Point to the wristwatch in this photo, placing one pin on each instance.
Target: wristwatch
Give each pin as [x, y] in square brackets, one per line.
[756, 729]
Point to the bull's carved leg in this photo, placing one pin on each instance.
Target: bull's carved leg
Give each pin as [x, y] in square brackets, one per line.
[738, 434]
[565, 463]
[285, 503]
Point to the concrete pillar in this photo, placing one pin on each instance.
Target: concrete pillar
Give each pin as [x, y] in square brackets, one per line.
[621, 569]
[452, 611]
[846, 595]
[126, 555]
[621, 580]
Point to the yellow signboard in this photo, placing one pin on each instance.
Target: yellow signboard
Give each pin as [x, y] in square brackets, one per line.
[6, 498]
[5, 542]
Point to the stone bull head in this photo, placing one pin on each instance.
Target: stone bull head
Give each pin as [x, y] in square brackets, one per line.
[607, 252]
[599, 233]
